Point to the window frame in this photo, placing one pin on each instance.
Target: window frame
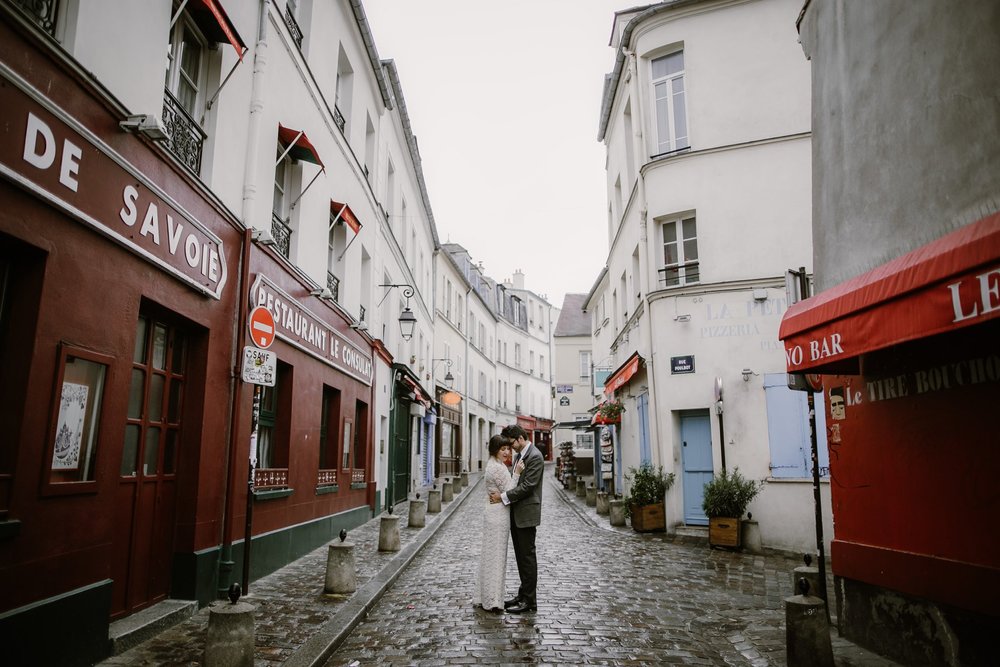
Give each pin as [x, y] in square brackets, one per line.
[683, 265]
[669, 145]
[67, 351]
[175, 71]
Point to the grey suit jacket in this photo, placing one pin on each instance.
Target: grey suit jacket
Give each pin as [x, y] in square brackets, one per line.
[526, 498]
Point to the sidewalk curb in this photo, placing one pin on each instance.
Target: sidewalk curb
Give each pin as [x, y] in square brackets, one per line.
[318, 648]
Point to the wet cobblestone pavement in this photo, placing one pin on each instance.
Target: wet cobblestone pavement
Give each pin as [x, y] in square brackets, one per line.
[607, 596]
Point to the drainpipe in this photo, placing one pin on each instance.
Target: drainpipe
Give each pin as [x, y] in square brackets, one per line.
[256, 105]
[465, 384]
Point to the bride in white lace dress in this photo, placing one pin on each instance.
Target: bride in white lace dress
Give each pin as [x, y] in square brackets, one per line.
[496, 529]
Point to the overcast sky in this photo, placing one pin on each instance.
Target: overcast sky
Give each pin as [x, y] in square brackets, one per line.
[504, 98]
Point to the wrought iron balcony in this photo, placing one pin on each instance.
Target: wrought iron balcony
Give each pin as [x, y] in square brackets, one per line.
[185, 135]
[270, 478]
[357, 476]
[293, 27]
[41, 12]
[333, 284]
[361, 315]
[282, 234]
[338, 118]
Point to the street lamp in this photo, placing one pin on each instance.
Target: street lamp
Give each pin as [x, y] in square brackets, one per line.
[407, 320]
[448, 378]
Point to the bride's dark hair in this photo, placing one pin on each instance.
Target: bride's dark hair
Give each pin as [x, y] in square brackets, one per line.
[496, 442]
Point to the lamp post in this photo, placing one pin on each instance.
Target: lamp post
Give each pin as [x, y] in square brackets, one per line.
[448, 378]
[407, 320]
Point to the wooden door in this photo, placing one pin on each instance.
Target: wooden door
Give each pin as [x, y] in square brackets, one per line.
[144, 526]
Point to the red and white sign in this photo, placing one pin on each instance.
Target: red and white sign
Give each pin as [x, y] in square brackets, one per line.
[261, 325]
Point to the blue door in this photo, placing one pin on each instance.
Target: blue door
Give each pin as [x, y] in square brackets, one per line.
[696, 455]
[642, 407]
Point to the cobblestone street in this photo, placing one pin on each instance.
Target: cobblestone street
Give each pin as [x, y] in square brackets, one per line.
[607, 596]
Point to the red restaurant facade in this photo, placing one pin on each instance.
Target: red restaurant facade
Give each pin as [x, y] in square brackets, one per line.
[126, 286]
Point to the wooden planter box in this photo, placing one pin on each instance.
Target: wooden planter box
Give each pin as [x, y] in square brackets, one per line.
[723, 532]
[648, 518]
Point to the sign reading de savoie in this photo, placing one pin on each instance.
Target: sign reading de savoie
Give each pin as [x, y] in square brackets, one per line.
[48, 152]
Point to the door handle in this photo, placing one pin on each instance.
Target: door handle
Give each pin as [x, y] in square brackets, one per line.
[685, 443]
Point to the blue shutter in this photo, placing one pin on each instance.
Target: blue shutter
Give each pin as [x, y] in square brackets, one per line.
[788, 430]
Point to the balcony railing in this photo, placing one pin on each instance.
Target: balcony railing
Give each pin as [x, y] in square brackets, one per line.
[41, 12]
[327, 477]
[333, 284]
[270, 478]
[282, 234]
[338, 118]
[358, 476]
[185, 135]
[293, 27]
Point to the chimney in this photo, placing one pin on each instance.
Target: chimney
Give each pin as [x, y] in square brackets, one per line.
[518, 279]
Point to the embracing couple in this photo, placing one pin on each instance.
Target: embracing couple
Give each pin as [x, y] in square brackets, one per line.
[514, 506]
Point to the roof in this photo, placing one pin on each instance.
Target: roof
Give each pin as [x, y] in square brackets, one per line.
[573, 320]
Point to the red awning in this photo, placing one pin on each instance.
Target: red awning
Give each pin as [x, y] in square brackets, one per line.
[343, 212]
[300, 147]
[213, 21]
[949, 284]
[623, 374]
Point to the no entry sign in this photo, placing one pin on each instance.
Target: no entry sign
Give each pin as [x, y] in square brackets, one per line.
[261, 324]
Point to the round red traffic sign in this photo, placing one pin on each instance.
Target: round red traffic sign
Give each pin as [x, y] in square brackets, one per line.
[261, 325]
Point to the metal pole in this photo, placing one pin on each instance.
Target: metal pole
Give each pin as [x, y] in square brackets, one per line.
[248, 531]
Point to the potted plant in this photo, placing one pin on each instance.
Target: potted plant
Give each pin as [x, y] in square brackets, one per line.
[610, 412]
[644, 501]
[726, 499]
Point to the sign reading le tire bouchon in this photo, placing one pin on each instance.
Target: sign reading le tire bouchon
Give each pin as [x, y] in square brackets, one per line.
[259, 366]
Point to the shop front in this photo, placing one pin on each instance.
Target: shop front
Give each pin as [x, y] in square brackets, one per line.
[407, 433]
[907, 356]
[116, 338]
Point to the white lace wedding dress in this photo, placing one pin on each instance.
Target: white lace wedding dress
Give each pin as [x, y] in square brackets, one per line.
[496, 534]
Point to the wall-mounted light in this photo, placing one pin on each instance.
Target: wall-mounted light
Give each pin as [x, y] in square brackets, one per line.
[747, 373]
[682, 318]
[147, 125]
[448, 378]
[359, 326]
[407, 320]
[263, 237]
[323, 293]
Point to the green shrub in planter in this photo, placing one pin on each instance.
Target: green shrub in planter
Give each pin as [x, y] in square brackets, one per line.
[729, 494]
[648, 486]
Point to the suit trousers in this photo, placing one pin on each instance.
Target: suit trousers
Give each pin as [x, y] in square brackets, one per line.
[527, 563]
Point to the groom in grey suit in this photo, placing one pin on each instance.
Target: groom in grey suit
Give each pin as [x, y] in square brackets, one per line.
[525, 502]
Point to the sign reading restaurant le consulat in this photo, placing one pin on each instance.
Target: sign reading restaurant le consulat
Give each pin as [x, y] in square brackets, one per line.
[298, 326]
[46, 151]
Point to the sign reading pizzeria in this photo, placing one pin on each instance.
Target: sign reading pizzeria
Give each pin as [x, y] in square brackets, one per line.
[300, 327]
[46, 151]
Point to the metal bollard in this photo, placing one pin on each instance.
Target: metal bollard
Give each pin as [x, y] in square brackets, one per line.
[341, 571]
[447, 491]
[418, 511]
[617, 512]
[434, 500]
[601, 503]
[807, 635]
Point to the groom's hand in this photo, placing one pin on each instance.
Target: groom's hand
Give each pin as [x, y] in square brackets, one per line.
[494, 497]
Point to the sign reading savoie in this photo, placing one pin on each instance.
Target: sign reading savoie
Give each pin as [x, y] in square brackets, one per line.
[298, 326]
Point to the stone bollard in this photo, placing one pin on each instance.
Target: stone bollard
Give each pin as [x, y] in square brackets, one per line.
[591, 496]
[581, 488]
[434, 500]
[569, 482]
[601, 502]
[418, 512]
[447, 491]
[809, 573]
[750, 535]
[617, 512]
[341, 572]
[465, 479]
[388, 533]
[807, 635]
[230, 636]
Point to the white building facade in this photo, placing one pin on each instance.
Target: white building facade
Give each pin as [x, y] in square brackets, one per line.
[706, 126]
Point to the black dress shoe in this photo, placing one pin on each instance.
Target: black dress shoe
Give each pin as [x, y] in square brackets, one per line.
[522, 607]
[513, 602]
